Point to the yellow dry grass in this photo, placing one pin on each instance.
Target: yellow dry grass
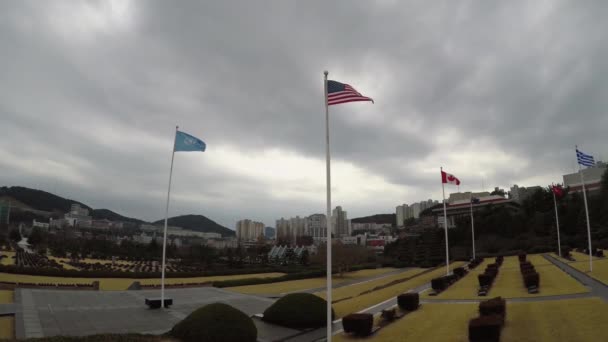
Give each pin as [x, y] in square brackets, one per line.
[432, 322]
[356, 289]
[305, 284]
[6, 296]
[509, 282]
[7, 327]
[9, 260]
[600, 267]
[562, 320]
[113, 284]
[359, 303]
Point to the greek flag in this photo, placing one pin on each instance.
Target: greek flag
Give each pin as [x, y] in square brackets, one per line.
[584, 159]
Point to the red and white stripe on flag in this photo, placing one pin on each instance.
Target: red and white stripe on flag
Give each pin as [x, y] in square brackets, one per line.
[447, 178]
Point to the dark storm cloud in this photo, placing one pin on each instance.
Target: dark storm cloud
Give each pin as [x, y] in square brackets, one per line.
[92, 91]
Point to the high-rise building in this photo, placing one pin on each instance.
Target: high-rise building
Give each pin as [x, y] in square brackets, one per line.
[416, 209]
[283, 231]
[340, 223]
[316, 225]
[248, 230]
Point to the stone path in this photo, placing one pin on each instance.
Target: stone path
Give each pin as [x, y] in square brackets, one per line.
[598, 289]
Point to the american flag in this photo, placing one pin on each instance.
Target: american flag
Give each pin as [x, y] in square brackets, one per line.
[341, 93]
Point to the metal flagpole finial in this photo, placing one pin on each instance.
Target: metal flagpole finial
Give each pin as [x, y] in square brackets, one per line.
[326, 72]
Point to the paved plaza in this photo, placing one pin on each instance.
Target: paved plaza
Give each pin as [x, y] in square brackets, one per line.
[42, 313]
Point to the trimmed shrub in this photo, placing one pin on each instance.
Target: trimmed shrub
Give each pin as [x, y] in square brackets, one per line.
[439, 284]
[522, 257]
[460, 272]
[216, 322]
[298, 311]
[359, 324]
[484, 279]
[409, 301]
[485, 328]
[494, 306]
[531, 279]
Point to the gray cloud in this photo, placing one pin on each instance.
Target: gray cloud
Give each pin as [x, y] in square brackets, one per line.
[92, 92]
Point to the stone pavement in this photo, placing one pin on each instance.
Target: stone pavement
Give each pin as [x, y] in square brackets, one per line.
[598, 289]
[41, 312]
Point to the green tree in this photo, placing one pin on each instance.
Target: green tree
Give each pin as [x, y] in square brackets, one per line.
[36, 237]
[14, 235]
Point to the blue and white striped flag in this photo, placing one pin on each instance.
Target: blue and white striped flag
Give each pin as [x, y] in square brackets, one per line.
[584, 159]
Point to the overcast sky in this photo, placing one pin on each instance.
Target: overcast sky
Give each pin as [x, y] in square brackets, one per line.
[495, 92]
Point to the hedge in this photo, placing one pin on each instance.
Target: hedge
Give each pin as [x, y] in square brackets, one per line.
[409, 301]
[298, 311]
[485, 328]
[359, 324]
[217, 322]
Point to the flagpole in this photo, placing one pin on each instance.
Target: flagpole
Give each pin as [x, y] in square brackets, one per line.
[559, 244]
[162, 277]
[445, 224]
[472, 225]
[587, 215]
[329, 223]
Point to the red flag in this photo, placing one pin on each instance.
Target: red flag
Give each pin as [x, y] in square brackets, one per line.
[557, 191]
[447, 178]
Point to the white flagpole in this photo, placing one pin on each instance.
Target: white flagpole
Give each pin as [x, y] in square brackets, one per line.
[472, 225]
[559, 244]
[586, 214]
[329, 223]
[445, 225]
[162, 277]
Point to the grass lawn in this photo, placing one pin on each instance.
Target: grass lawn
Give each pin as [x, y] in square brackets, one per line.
[362, 302]
[9, 260]
[113, 284]
[600, 266]
[432, 322]
[509, 283]
[6, 296]
[357, 289]
[563, 320]
[304, 284]
[7, 327]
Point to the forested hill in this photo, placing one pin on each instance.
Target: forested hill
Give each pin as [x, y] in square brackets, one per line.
[46, 201]
[198, 223]
[378, 218]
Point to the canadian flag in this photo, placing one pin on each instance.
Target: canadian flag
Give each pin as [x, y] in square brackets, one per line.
[447, 178]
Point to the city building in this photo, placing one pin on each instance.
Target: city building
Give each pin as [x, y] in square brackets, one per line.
[591, 175]
[297, 226]
[269, 233]
[316, 225]
[408, 211]
[248, 230]
[519, 194]
[340, 222]
[40, 224]
[466, 196]
[78, 216]
[462, 208]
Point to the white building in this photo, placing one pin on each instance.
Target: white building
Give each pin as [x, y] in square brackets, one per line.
[340, 222]
[316, 225]
[43, 225]
[592, 176]
[248, 230]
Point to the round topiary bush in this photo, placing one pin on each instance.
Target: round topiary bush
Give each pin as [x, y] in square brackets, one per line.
[299, 311]
[216, 322]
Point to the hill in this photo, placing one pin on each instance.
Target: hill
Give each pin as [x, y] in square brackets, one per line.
[28, 199]
[101, 214]
[198, 223]
[38, 199]
[378, 218]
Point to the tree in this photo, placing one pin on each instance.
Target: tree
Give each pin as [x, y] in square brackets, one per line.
[304, 258]
[14, 235]
[36, 237]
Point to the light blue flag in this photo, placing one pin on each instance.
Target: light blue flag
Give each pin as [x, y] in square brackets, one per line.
[184, 142]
